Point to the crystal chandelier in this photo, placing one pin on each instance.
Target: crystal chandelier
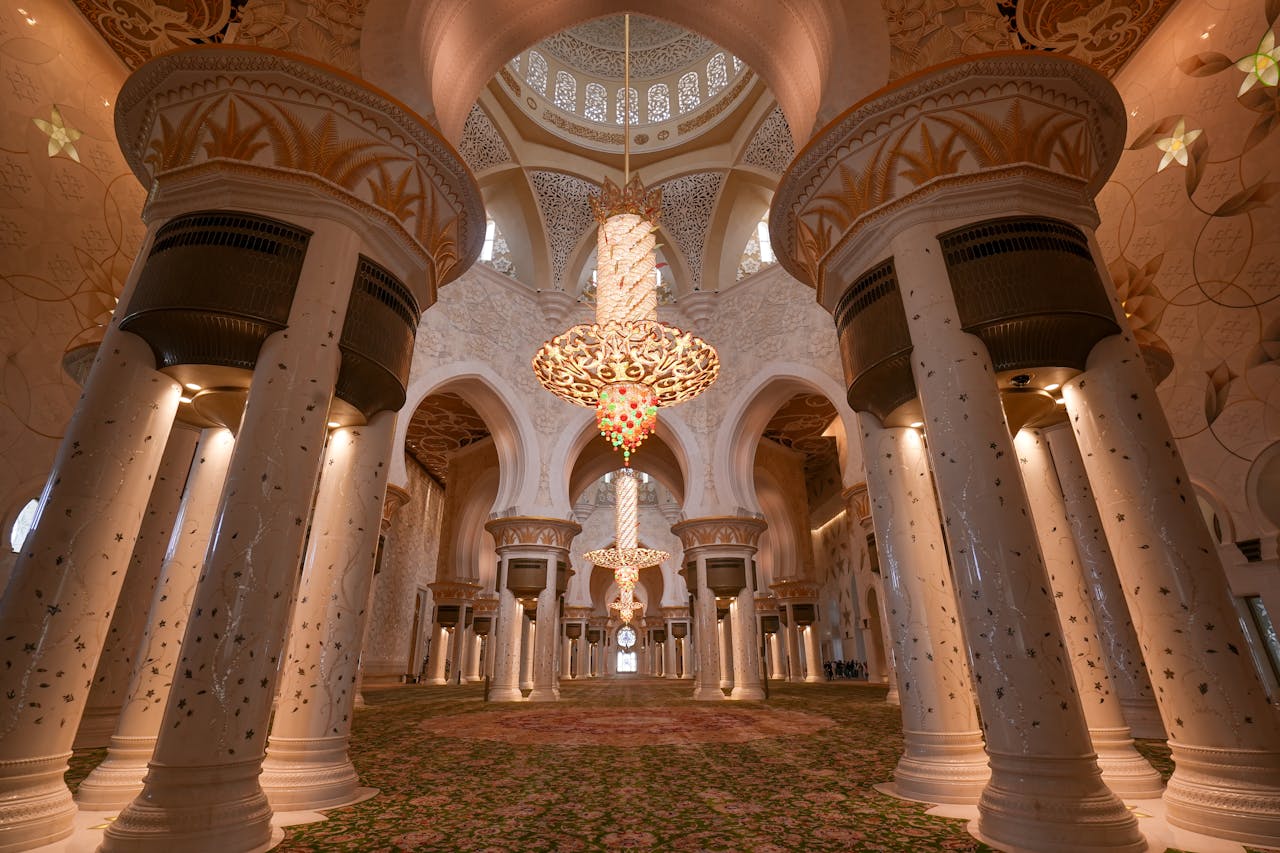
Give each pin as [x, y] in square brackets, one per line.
[627, 364]
[626, 558]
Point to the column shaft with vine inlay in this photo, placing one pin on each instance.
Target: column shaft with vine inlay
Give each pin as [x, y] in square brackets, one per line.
[918, 216]
[57, 607]
[1122, 653]
[943, 760]
[116, 666]
[1125, 771]
[307, 766]
[1223, 729]
[372, 211]
[118, 779]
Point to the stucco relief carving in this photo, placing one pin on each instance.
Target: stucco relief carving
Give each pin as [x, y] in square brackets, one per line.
[482, 146]
[396, 498]
[772, 147]
[724, 530]
[327, 30]
[523, 530]
[793, 590]
[687, 204]
[566, 216]
[454, 592]
[958, 124]
[1104, 34]
[211, 109]
[927, 32]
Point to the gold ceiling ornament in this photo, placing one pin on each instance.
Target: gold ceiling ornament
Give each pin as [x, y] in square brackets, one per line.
[627, 364]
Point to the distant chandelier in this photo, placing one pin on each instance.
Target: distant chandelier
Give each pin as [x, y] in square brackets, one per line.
[627, 364]
[626, 558]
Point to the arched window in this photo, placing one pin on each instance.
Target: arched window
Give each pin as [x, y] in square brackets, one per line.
[566, 91]
[717, 75]
[766, 245]
[536, 76]
[22, 525]
[486, 250]
[659, 102]
[597, 103]
[758, 253]
[633, 104]
[689, 92]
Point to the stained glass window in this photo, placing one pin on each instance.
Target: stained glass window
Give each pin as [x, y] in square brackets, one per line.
[566, 91]
[689, 92]
[536, 76]
[597, 103]
[717, 75]
[659, 102]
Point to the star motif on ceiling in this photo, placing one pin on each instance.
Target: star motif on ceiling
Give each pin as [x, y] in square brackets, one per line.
[61, 137]
[1261, 66]
[1176, 144]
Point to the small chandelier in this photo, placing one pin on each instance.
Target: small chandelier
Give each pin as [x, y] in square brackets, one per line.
[627, 364]
[626, 558]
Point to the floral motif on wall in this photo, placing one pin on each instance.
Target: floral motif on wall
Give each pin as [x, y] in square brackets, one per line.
[1188, 231]
[140, 29]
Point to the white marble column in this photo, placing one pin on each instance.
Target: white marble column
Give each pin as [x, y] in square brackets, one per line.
[671, 666]
[688, 665]
[307, 766]
[1044, 776]
[544, 680]
[1224, 733]
[943, 760]
[707, 633]
[57, 606]
[795, 666]
[439, 655]
[116, 665]
[724, 630]
[475, 650]
[777, 659]
[746, 640]
[584, 654]
[528, 633]
[1121, 651]
[813, 654]
[118, 779]
[566, 658]
[507, 631]
[890, 676]
[206, 787]
[1125, 771]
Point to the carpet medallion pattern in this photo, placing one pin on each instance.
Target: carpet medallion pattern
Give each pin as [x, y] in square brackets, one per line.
[628, 765]
[624, 728]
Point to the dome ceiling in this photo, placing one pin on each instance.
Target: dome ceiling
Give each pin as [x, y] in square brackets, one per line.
[658, 48]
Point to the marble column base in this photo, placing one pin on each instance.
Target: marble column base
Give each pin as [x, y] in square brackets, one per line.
[747, 693]
[892, 698]
[942, 767]
[1124, 770]
[814, 679]
[1228, 793]
[35, 805]
[1143, 717]
[177, 814]
[308, 774]
[118, 779]
[435, 682]
[672, 675]
[711, 694]
[544, 694]
[505, 694]
[1054, 805]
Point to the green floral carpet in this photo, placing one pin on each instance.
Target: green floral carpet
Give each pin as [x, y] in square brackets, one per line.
[629, 765]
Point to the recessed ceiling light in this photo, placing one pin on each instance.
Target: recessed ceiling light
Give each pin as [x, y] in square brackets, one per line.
[1053, 386]
[184, 399]
[334, 424]
[917, 424]
[191, 386]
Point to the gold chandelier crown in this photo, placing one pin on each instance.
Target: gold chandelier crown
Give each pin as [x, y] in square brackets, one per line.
[631, 198]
